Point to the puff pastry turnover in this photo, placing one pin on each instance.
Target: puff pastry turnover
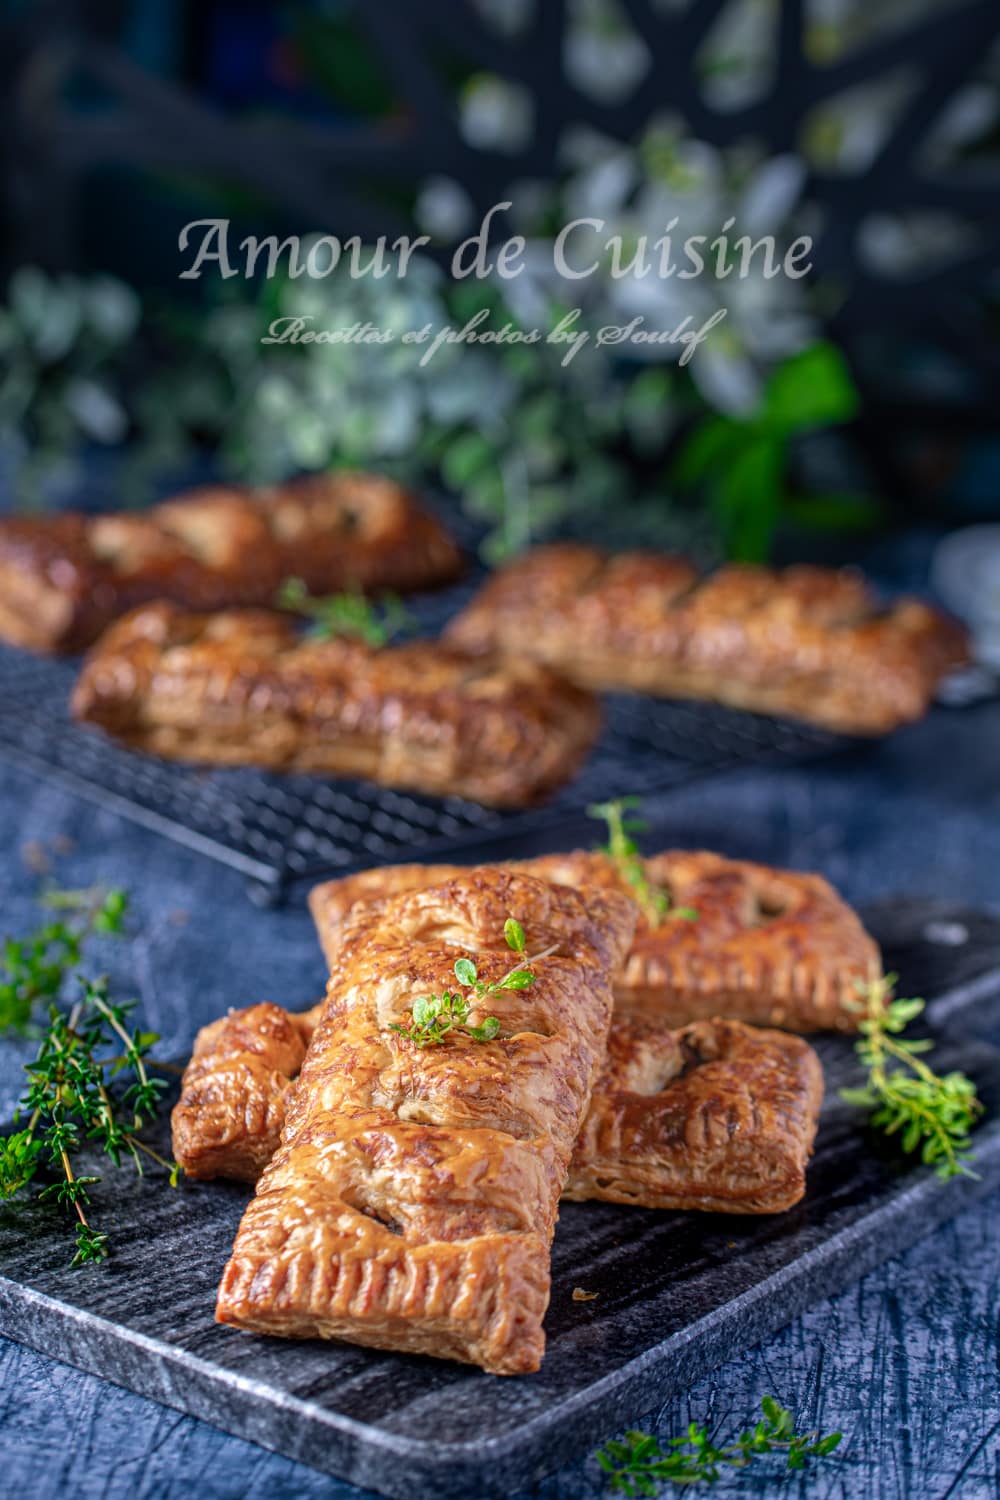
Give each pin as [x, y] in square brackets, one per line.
[811, 643]
[769, 947]
[717, 1116]
[242, 688]
[64, 578]
[412, 1200]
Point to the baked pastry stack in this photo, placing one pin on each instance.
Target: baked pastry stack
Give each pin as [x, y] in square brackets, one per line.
[402, 1179]
[501, 711]
[65, 578]
[811, 643]
[242, 687]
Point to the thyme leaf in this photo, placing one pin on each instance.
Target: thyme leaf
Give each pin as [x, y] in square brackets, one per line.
[34, 969]
[348, 614]
[930, 1112]
[69, 1098]
[623, 849]
[434, 1017]
[639, 1465]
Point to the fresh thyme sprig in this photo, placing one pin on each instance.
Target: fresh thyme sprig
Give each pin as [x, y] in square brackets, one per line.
[346, 614]
[434, 1016]
[35, 968]
[69, 1098]
[933, 1112]
[639, 1465]
[624, 850]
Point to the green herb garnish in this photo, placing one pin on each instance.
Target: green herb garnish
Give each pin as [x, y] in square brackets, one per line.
[639, 1465]
[624, 850]
[35, 968]
[346, 614]
[69, 1098]
[434, 1016]
[933, 1112]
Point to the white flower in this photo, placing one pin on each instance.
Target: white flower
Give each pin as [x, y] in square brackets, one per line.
[443, 209]
[495, 115]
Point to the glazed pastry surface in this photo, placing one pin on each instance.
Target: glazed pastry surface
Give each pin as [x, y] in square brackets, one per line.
[64, 578]
[807, 642]
[244, 688]
[769, 947]
[412, 1200]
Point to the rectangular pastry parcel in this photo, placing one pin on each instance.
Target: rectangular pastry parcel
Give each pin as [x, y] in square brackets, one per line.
[768, 947]
[715, 1115]
[807, 642]
[412, 1201]
[64, 578]
[243, 688]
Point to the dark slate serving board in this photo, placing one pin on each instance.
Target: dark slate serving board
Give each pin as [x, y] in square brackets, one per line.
[677, 1293]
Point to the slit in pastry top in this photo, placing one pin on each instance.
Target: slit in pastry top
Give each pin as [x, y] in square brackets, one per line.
[412, 1201]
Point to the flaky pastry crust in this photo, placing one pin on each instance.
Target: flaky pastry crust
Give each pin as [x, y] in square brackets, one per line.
[807, 642]
[243, 688]
[769, 947]
[64, 578]
[228, 1119]
[412, 1200]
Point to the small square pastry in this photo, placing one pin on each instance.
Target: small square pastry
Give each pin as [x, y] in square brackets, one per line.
[717, 1116]
[227, 1121]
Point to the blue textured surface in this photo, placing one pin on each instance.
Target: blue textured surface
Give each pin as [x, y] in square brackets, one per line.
[905, 1362]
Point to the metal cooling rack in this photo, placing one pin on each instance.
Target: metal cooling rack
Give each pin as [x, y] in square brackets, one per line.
[278, 829]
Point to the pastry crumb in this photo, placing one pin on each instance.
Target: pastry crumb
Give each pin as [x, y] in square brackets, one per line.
[34, 857]
[579, 1295]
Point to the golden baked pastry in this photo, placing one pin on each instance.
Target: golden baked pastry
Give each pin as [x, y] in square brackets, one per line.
[769, 947]
[811, 643]
[717, 1116]
[227, 1121]
[64, 578]
[242, 688]
[412, 1200]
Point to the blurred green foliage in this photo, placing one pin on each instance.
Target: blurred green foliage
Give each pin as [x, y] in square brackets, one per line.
[741, 463]
[526, 443]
